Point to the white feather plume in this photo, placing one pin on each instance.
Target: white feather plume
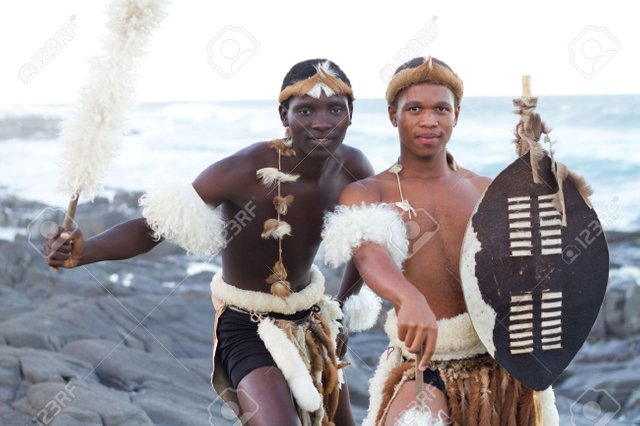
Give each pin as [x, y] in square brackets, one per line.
[91, 137]
[270, 175]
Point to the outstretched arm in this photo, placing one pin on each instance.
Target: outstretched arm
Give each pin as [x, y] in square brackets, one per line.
[129, 239]
[417, 326]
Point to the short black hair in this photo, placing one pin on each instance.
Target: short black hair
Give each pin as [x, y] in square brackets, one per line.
[305, 69]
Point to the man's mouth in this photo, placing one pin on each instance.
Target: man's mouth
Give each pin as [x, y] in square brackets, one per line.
[321, 141]
[427, 137]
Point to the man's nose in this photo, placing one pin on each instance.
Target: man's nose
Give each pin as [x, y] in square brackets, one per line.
[429, 119]
[322, 121]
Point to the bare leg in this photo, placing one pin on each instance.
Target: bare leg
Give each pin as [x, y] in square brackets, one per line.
[344, 416]
[266, 400]
[434, 400]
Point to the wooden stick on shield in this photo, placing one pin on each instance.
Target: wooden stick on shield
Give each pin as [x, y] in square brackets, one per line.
[526, 86]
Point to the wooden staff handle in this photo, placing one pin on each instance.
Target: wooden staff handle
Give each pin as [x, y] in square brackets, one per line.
[419, 383]
[68, 217]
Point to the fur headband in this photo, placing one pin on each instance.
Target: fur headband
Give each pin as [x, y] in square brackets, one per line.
[424, 70]
[325, 79]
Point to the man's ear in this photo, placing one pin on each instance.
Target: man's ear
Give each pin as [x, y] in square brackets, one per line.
[284, 115]
[456, 114]
[393, 117]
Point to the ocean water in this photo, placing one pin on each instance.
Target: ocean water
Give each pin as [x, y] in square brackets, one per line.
[597, 136]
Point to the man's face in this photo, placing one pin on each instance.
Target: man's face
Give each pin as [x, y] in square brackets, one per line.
[425, 116]
[318, 125]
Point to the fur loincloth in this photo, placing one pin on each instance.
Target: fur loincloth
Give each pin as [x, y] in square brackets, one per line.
[479, 391]
[303, 350]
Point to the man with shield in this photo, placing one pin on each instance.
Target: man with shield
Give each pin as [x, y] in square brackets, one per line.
[404, 229]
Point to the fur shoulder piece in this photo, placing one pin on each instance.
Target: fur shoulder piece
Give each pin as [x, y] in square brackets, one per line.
[176, 213]
[361, 311]
[347, 228]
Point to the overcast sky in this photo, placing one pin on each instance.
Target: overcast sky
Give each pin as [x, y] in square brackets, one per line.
[236, 50]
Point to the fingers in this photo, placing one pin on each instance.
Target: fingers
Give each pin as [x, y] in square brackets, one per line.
[59, 246]
[429, 348]
[420, 335]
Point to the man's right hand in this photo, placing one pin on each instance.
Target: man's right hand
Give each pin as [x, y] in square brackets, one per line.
[417, 327]
[64, 249]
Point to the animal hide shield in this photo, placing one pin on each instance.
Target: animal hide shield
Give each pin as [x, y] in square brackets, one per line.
[533, 287]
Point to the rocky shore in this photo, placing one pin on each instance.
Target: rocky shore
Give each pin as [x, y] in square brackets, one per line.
[129, 342]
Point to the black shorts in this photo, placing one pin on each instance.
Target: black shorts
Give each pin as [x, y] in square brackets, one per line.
[240, 348]
[432, 377]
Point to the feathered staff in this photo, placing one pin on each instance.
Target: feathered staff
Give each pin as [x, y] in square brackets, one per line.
[92, 136]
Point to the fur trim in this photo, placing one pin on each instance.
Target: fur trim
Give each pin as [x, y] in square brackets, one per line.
[347, 228]
[324, 80]
[361, 310]
[548, 409]
[269, 176]
[288, 360]
[429, 71]
[389, 360]
[484, 315]
[457, 339]
[257, 301]
[176, 213]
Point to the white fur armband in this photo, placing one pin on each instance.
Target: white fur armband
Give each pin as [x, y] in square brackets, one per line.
[347, 228]
[360, 311]
[176, 213]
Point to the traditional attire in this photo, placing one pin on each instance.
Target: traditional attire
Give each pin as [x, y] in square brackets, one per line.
[478, 390]
[293, 331]
[298, 333]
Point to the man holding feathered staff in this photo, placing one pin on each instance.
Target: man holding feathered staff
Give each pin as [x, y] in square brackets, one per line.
[275, 331]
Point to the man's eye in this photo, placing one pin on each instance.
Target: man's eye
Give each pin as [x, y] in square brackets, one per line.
[337, 110]
[304, 111]
[442, 109]
[414, 109]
